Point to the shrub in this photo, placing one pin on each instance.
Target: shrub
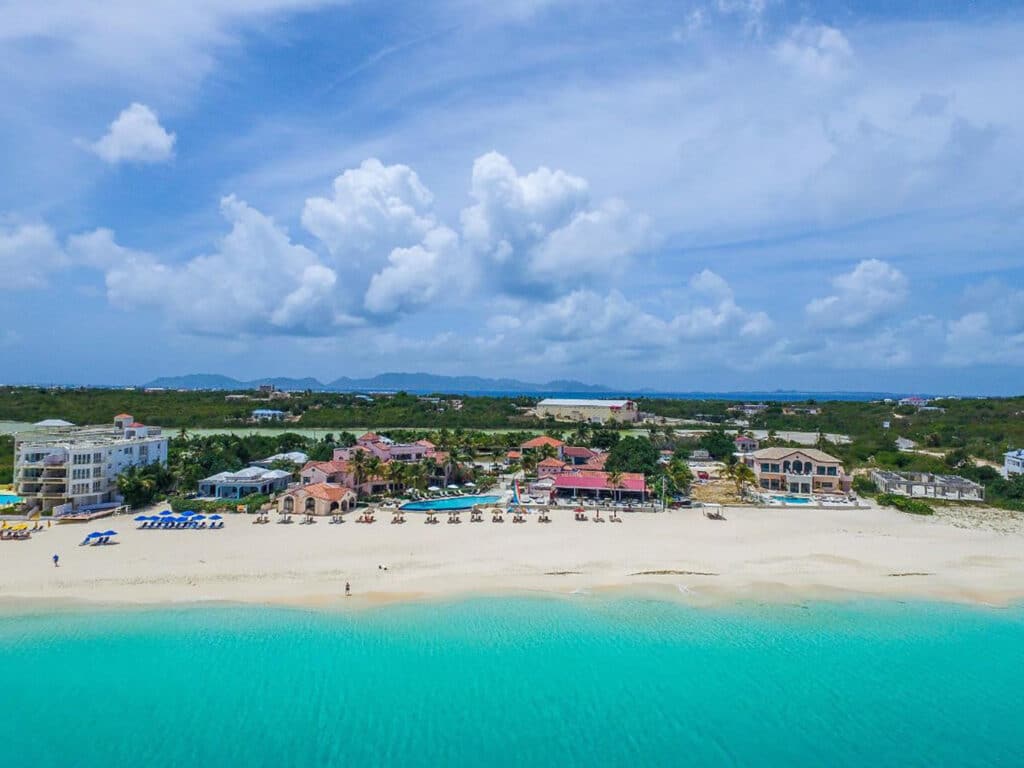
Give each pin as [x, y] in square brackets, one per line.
[864, 485]
[905, 504]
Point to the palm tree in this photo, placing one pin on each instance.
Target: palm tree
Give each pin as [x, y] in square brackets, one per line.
[373, 469]
[358, 467]
[615, 481]
[548, 451]
[741, 475]
[394, 471]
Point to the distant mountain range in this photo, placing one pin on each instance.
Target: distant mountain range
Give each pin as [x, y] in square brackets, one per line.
[384, 382]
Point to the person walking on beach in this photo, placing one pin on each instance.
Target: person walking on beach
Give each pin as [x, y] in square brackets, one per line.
[348, 590]
[56, 561]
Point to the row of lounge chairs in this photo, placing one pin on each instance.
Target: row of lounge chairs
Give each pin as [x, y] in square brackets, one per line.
[182, 525]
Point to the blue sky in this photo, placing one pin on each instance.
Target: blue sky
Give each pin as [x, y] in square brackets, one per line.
[727, 194]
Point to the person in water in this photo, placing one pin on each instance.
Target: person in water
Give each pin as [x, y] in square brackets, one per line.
[56, 561]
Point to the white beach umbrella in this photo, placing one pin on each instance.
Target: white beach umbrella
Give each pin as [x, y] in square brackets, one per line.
[452, 485]
[433, 488]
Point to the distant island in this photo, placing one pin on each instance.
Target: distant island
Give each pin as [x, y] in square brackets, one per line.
[384, 382]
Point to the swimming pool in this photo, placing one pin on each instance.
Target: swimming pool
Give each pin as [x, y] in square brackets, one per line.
[455, 502]
[791, 499]
[6, 499]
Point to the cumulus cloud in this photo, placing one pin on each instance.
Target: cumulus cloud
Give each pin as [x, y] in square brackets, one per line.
[871, 290]
[816, 50]
[257, 281]
[415, 276]
[374, 208]
[540, 228]
[28, 256]
[991, 331]
[135, 136]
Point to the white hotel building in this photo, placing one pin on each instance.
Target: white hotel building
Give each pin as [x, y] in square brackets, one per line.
[57, 463]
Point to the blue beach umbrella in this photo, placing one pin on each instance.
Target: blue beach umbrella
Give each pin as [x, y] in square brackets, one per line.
[167, 512]
[94, 535]
[109, 533]
[216, 517]
[188, 512]
[141, 518]
[198, 517]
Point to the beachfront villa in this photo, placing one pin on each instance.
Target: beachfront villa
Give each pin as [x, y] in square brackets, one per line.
[798, 470]
[340, 472]
[1013, 463]
[595, 484]
[551, 466]
[58, 465]
[244, 482]
[926, 485]
[320, 499]
[577, 455]
[583, 409]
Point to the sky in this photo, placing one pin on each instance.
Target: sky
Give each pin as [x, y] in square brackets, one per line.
[707, 195]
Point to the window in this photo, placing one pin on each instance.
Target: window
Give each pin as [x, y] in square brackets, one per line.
[821, 470]
[833, 471]
[775, 467]
[764, 468]
[97, 458]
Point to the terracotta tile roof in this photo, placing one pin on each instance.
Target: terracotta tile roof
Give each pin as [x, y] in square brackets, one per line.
[425, 443]
[369, 437]
[328, 467]
[540, 441]
[123, 416]
[551, 462]
[596, 462]
[327, 491]
[578, 452]
[514, 455]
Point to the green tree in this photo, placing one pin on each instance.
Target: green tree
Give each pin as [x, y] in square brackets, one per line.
[633, 454]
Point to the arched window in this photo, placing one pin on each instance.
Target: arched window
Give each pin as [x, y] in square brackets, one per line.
[289, 504]
[310, 505]
[798, 467]
[785, 467]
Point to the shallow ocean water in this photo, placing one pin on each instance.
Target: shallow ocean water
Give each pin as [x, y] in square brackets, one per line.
[511, 681]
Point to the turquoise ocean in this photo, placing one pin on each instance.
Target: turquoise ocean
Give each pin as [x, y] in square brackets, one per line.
[512, 682]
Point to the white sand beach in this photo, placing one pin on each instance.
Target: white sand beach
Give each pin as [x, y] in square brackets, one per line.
[777, 553]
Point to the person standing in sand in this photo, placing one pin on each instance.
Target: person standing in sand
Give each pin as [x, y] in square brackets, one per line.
[56, 561]
[348, 590]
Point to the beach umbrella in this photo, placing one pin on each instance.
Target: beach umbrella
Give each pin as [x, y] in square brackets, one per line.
[470, 485]
[141, 518]
[109, 533]
[216, 517]
[198, 517]
[167, 512]
[94, 535]
[452, 485]
[188, 512]
[433, 488]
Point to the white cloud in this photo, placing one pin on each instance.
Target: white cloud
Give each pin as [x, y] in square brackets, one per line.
[815, 50]
[29, 255]
[135, 136]
[257, 281]
[374, 208]
[871, 290]
[992, 331]
[415, 276]
[540, 228]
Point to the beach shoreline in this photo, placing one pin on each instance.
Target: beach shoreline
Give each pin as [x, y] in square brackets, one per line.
[756, 555]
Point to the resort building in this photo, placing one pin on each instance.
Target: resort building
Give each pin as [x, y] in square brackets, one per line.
[538, 443]
[925, 485]
[598, 411]
[58, 464]
[798, 470]
[244, 482]
[1013, 463]
[267, 414]
[387, 450]
[574, 484]
[550, 466]
[340, 472]
[319, 499]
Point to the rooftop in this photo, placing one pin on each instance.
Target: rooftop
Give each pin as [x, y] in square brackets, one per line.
[540, 441]
[631, 481]
[326, 491]
[775, 454]
[248, 474]
[583, 403]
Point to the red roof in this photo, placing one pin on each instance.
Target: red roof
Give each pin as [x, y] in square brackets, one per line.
[514, 454]
[598, 481]
[596, 462]
[425, 443]
[136, 424]
[551, 462]
[540, 442]
[369, 437]
[328, 467]
[123, 416]
[327, 491]
[578, 452]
